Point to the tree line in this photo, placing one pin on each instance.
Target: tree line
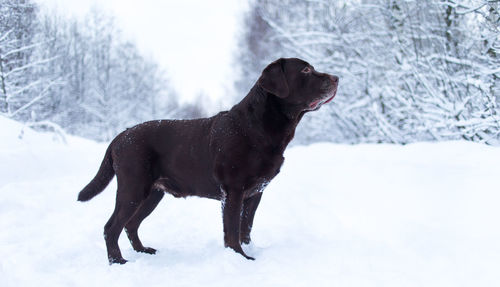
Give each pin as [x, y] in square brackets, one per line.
[78, 75]
[410, 70]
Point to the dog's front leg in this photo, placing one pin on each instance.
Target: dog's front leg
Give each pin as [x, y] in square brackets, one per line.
[232, 206]
[249, 207]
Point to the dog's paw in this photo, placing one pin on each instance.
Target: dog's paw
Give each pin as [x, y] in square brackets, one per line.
[249, 257]
[147, 250]
[117, 260]
[239, 250]
[246, 240]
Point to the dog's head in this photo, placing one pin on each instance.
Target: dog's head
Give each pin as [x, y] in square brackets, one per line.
[297, 84]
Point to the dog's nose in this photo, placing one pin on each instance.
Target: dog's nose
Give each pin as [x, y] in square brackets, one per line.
[334, 79]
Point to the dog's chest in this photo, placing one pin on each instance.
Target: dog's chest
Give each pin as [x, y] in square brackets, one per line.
[264, 167]
[259, 187]
[270, 166]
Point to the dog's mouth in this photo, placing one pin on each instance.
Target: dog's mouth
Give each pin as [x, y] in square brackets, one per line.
[316, 104]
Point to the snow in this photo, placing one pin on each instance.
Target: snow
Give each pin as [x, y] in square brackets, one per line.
[424, 214]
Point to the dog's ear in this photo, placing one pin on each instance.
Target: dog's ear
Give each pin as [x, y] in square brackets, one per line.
[273, 79]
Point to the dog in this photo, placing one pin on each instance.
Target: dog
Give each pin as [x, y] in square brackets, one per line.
[230, 157]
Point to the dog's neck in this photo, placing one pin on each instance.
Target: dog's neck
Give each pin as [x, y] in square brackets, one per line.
[266, 112]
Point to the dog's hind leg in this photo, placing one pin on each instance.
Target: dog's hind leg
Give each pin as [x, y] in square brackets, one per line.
[128, 199]
[144, 210]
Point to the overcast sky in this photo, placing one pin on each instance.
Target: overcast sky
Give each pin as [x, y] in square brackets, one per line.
[193, 39]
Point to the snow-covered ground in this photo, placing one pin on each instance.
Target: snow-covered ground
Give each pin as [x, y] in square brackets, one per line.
[368, 215]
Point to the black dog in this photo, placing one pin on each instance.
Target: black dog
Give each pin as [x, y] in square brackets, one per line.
[229, 157]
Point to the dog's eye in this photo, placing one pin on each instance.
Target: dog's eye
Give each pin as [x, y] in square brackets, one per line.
[306, 70]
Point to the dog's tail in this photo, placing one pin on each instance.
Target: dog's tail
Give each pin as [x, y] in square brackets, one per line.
[101, 179]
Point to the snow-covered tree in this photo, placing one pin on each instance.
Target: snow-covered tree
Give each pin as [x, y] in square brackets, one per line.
[23, 89]
[79, 75]
[410, 70]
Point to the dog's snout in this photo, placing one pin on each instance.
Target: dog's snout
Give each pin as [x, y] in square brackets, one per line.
[334, 79]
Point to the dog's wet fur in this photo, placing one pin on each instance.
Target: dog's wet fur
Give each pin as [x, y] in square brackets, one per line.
[229, 157]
